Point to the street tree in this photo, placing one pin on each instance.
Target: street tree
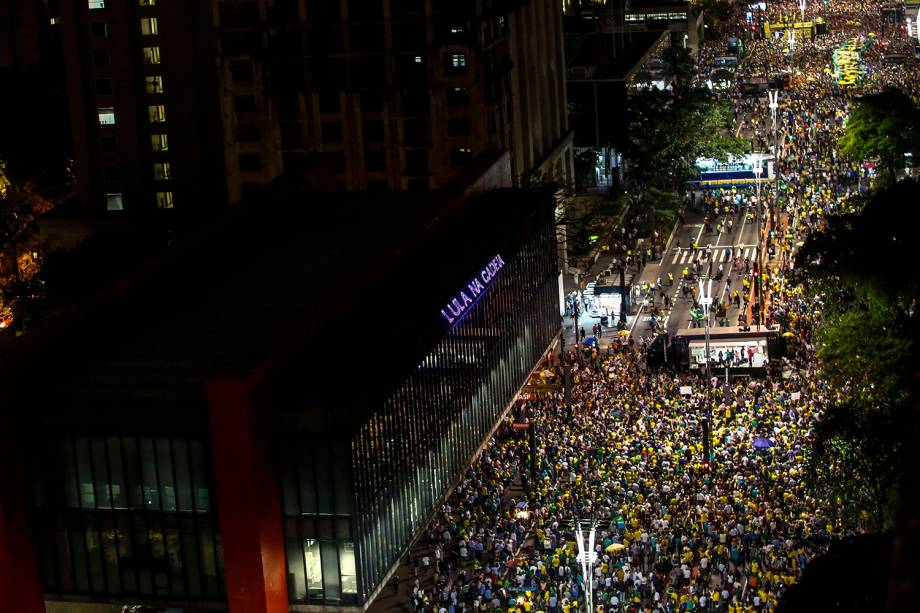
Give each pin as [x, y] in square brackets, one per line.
[882, 127]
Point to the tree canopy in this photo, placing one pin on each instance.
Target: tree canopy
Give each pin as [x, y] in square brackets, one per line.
[670, 130]
[882, 126]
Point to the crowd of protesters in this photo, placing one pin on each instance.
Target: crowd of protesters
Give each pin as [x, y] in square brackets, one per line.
[676, 531]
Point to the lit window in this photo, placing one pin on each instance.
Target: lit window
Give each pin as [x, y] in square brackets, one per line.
[164, 200]
[457, 29]
[458, 60]
[159, 142]
[151, 55]
[106, 116]
[113, 202]
[347, 566]
[149, 26]
[156, 113]
[161, 171]
[147, 2]
[96, 4]
[154, 84]
[418, 59]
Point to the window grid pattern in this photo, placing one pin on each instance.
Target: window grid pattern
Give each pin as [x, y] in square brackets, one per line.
[406, 456]
[318, 503]
[122, 515]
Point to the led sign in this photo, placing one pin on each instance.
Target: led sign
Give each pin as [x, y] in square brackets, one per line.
[463, 301]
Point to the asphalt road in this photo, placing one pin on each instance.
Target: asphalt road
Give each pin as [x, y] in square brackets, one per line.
[681, 256]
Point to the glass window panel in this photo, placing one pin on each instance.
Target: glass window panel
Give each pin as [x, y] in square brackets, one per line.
[126, 553]
[313, 563]
[84, 473]
[118, 488]
[307, 481]
[297, 580]
[165, 474]
[151, 491]
[347, 563]
[110, 556]
[200, 471]
[94, 554]
[183, 475]
[190, 553]
[71, 483]
[79, 560]
[331, 585]
[174, 557]
[101, 481]
[151, 55]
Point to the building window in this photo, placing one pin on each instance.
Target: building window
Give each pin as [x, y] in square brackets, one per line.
[375, 161]
[106, 116]
[154, 84]
[247, 132]
[373, 130]
[457, 62]
[244, 104]
[101, 58]
[418, 59]
[147, 2]
[418, 185]
[332, 132]
[108, 144]
[98, 29]
[96, 4]
[250, 162]
[242, 72]
[459, 127]
[161, 171]
[111, 173]
[156, 113]
[377, 185]
[416, 162]
[103, 87]
[458, 96]
[159, 143]
[151, 55]
[457, 28]
[460, 156]
[113, 202]
[149, 26]
[415, 132]
[164, 200]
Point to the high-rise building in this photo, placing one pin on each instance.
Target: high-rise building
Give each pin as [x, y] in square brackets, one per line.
[195, 104]
[209, 433]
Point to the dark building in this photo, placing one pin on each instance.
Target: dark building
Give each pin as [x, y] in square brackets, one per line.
[172, 105]
[266, 416]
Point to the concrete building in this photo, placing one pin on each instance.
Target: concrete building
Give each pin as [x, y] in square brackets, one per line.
[172, 106]
[204, 434]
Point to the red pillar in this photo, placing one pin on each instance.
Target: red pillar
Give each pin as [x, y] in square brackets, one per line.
[20, 585]
[248, 503]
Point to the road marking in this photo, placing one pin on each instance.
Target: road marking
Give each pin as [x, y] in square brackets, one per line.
[676, 255]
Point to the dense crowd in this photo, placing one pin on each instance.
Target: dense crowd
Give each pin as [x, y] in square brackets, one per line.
[676, 531]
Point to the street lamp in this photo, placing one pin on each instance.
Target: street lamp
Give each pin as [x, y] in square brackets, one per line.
[587, 558]
[802, 9]
[706, 303]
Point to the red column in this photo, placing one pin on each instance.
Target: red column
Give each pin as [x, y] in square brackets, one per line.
[248, 503]
[20, 585]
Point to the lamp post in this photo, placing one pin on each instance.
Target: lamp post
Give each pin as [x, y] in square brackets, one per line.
[802, 9]
[706, 303]
[587, 558]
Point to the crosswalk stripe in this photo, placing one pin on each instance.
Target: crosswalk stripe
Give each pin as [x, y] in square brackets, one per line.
[676, 255]
[754, 253]
[683, 257]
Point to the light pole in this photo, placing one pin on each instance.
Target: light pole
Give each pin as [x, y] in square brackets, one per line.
[587, 558]
[802, 9]
[706, 303]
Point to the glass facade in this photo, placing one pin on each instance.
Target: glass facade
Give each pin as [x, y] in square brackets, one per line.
[415, 445]
[125, 515]
[318, 503]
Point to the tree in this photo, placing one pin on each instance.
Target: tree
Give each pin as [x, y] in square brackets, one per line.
[882, 126]
[855, 463]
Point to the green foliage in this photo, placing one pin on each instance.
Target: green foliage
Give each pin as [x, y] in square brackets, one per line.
[882, 126]
[855, 463]
[668, 131]
[866, 348]
[585, 168]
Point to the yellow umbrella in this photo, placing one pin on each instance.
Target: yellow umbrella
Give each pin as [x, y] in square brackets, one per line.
[623, 333]
[615, 547]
